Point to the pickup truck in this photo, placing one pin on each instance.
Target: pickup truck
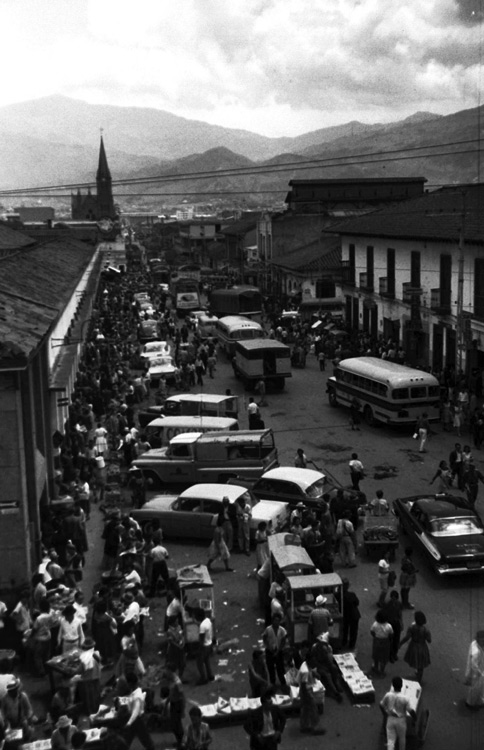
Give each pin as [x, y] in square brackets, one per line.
[193, 458]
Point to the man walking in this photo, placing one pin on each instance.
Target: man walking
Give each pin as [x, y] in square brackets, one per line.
[357, 471]
[395, 708]
[275, 639]
[205, 641]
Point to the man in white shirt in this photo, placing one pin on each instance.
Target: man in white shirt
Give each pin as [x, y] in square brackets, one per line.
[253, 414]
[395, 708]
[159, 555]
[356, 471]
[205, 637]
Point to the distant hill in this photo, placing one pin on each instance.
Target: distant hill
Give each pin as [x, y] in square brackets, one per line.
[56, 140]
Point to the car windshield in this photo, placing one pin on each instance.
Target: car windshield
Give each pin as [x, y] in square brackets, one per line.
[455, 526]
[317, 489]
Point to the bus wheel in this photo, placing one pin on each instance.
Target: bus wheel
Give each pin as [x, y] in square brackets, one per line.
[368, 415]
[333, 401]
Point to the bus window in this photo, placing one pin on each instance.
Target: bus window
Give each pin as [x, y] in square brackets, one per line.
[400, 393]
[419, 391]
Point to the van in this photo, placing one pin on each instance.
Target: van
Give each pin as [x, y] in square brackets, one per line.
[207, 326]
[210, 457]
[160, 431]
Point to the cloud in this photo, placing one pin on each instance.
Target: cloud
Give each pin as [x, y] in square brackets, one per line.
[252, 63]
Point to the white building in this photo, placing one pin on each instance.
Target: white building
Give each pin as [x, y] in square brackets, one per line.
[414, 272]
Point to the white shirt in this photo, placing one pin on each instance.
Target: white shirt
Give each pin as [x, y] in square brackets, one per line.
[252, 408]
[132, 577]
[132, 613]
[356, 465]
[206, 630]
[159, 553]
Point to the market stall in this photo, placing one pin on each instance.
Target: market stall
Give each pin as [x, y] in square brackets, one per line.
[288, 559]
[196, 591]
[302, 592]
[380, 534]
[358, 683]
[93, 739]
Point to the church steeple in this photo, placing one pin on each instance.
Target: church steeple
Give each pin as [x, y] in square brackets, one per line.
[105, 201]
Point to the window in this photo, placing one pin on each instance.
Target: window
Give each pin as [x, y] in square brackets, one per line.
[352, 263]
[479, 287]
[415, 269]
[419, 391]
[190, 504]
[445, 280]
[370, 267]
[212, 506]
[399, 393]
[391, 272]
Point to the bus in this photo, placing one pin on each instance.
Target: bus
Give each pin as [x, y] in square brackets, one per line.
[238, 300]
[186, 295]
[262, 359]
[387, 392]
[233, 328]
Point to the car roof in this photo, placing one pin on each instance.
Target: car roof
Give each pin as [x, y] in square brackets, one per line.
[254, 344]
[193, 422]
[186, 437]
[238, 436]
[443, 508]
[203, 398]
[215, 491]
[302, 477]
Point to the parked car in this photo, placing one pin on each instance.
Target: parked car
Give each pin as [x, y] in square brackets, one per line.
[161, 366]
[153, 349]
[194, 513]
[148, 330]
[448, 530]
[293, 485]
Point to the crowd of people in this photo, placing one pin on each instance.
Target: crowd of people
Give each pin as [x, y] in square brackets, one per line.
[105, 628]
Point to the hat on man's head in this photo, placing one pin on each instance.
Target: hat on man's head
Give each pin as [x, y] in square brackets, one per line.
[13, 684]
[300, 504]
[320, 600]
[64, 722]
[88, 643]
[324, 637]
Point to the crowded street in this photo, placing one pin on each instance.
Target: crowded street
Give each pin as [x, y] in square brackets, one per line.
[300, 418]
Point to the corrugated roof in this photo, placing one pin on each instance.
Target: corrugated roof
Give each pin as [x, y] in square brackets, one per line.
[439, 215]
[12, 239]
[322, 254]
[35, 285]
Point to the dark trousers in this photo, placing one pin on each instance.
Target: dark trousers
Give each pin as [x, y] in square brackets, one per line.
[355, 480]
[138, 729]
[397, 632]
[275, 664]
[350, 632]
[203, 663]
[176, 719]
[158, 569]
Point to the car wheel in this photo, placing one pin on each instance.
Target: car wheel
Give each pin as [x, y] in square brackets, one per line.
[368, 415]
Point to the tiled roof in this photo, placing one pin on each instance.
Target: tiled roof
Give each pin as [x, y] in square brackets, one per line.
[434, 216]
[12, 239]
[35, 285]
[323, 254]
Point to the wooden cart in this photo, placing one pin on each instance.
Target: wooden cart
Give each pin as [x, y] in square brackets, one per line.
[380, 534]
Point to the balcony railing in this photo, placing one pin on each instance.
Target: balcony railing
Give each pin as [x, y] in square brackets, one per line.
[366, 282]
[347, 275]
[411, 293]
[440, 301]
[386, 289]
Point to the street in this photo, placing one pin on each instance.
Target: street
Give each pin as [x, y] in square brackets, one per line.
[301, 417]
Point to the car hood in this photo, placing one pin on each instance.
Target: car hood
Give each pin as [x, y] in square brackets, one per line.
[266, 510]
[158, 504]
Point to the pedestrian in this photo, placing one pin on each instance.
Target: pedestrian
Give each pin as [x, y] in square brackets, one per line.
[383, 578]
[71, 634]
[351, 616]
[243, 510]
[381, 631]
[357, 471]
[135, 725]
[159, 567]
[379, 506]
[474, 674]
[258, 674]
[211, 362]
[471, 478]
[100, 440]
[355, 420]
[408, 577]
[198, 735]
[61, 738]
[346, 538]
[218, 550]
[199, 370]
[89, 684]
[274, 638]
[418, 636]
[265, 724]
[175, 645]
[261, 390]
[444, 477]
[309, 713]
[319, 620]
[16, 710]
[253, 414]
[457, 409]
[171, 693]
[394, 611]
[322, 360]
[205, 647]
[457, 465]
[261, 544]
[327, 668]
[227, 515]
[422, 429]
[395, 708]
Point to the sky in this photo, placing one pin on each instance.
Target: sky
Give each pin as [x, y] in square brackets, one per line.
[275, 67]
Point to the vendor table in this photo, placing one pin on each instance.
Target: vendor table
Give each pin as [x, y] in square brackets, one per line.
[93, 738]
[380, 534]
[65, 665]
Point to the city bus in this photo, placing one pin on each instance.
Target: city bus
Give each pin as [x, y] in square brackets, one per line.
[238, 300]
[233, 328]
[387, 392]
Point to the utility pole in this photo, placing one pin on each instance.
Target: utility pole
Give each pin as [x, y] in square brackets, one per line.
[460, 337]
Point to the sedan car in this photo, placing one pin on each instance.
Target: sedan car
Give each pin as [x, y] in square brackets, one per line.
[293, 485]
[153, 349]
[447, 529]
[194, 513]
[161, 366]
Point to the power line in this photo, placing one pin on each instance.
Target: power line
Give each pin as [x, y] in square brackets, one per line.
[348, 160]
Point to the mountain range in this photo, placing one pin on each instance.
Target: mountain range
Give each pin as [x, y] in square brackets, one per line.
[54, 140]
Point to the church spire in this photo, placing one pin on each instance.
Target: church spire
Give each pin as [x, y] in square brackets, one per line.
[105, 203]
[103, 169]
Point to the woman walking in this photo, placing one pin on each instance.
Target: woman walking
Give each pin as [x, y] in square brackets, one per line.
[417, 654]
[474, 676]
[382, 633]
[408, 577]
